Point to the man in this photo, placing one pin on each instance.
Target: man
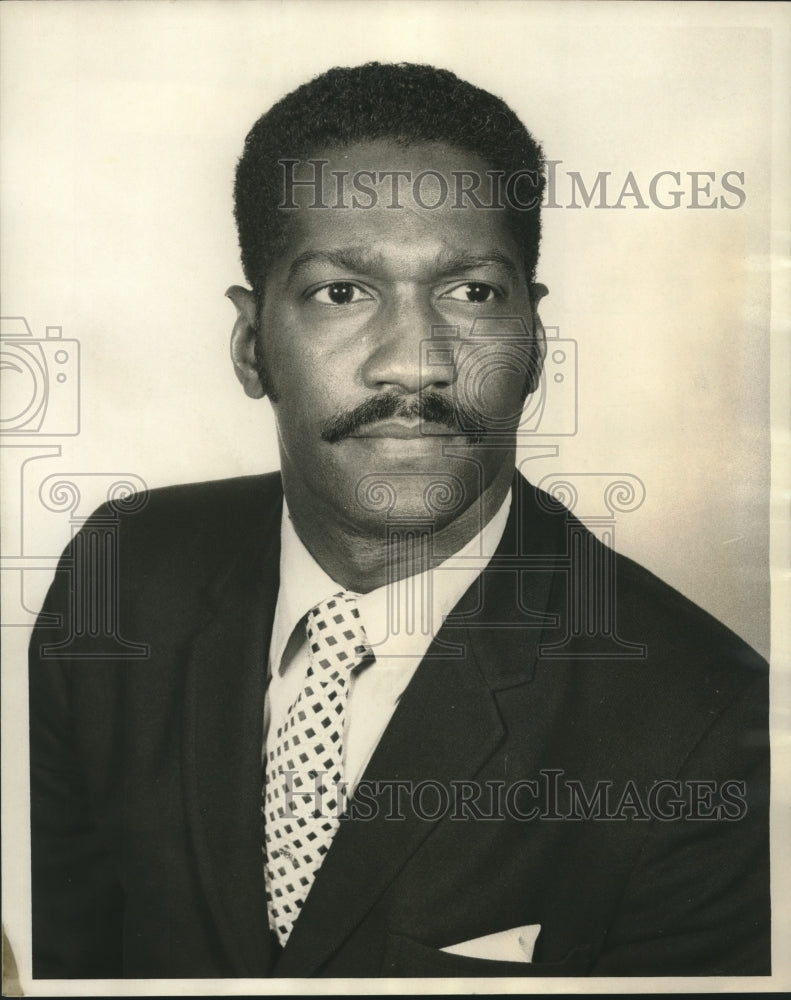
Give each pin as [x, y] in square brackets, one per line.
[373, 733]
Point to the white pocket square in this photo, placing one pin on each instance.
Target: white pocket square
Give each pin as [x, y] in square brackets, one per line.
[514, 945]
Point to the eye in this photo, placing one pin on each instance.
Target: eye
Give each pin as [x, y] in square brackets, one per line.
[340, 293]
[471, 291]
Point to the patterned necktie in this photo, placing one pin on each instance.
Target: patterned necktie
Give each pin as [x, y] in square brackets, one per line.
[305, 769]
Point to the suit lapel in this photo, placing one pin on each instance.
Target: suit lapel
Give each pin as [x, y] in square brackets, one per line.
[223, 734]
[445, 728]
[367, 854]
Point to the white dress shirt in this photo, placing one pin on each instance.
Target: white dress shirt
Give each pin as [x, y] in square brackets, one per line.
[400, 619]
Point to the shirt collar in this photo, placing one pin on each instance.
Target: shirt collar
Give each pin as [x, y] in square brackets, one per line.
[401, 618]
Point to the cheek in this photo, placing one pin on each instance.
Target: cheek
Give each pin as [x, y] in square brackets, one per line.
[285, 360]
[308, 387]
[323, 372]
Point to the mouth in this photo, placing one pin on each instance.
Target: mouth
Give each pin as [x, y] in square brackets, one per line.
[405, 429]
[392, 417]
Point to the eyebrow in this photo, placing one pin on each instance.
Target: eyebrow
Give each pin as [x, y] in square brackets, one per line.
[452, 263]
[361, 260]
[344, 258]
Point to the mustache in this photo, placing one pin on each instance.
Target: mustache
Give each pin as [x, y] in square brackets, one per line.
[429, 406]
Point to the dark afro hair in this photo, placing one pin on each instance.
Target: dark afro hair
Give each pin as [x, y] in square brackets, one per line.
[404, 102]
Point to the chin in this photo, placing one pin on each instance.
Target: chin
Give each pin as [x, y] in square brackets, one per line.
[428, 496]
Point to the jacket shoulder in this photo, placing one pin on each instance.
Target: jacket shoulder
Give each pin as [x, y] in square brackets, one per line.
[178, 538]
[654, 605]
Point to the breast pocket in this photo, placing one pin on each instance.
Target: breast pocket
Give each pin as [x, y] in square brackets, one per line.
[409, 958]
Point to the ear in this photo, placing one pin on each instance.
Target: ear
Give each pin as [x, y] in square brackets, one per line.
[243, 338]
[537, 293]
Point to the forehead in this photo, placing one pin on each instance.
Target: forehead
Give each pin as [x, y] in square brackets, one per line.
[413, 201]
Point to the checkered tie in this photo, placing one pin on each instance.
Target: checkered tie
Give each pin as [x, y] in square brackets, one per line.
[305, 768]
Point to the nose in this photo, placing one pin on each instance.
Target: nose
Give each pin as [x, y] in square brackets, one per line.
[401, 354]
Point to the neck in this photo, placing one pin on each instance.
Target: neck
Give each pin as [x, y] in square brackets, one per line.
[364, 556]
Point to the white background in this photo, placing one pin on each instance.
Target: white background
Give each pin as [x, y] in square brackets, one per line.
[121, 126]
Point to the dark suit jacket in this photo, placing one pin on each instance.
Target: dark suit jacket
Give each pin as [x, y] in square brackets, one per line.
[146, 769]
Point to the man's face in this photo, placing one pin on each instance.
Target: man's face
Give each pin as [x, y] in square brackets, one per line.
[387, 401]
